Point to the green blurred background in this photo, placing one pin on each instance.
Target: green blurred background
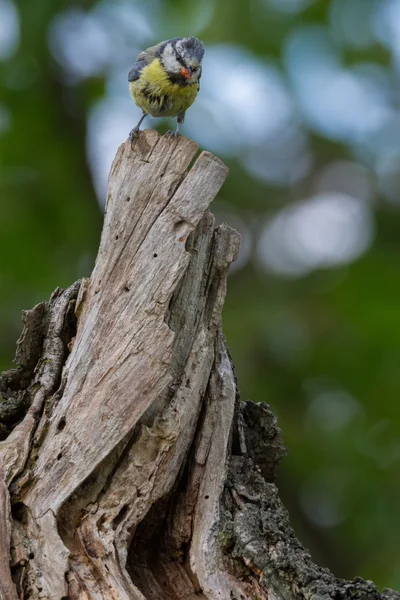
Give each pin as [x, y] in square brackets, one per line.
[302, 99]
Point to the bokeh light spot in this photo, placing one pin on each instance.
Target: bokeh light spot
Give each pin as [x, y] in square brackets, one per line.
[351, 22]
[5, 119]
[80, 43]
[289, 6]
[331, 410]
[345, 177]
[327, 230]
[9, 29]
[323, 498]
[345, 104]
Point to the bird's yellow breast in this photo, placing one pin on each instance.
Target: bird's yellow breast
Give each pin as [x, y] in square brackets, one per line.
[154, 93]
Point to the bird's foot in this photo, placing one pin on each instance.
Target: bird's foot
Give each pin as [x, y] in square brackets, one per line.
[174, 134]
[133, 134]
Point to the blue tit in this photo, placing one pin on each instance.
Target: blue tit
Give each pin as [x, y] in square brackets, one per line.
[165, 79]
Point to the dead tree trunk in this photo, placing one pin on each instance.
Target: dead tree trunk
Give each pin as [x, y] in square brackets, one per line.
[129, 467]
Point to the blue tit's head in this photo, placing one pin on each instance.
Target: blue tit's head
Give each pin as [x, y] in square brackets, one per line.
[181, 58]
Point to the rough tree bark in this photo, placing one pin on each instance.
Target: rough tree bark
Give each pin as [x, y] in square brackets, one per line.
[129, 466]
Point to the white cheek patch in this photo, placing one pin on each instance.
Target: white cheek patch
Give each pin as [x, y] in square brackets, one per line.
[169, 60]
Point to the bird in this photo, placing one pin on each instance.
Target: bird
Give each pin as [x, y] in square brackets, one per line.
[165, 80]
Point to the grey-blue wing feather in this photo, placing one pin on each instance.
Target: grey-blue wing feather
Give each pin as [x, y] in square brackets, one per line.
[143, 59]
[137, 68]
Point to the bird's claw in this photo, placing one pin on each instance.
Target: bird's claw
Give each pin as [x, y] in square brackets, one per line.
[133, 134]
[172, 134]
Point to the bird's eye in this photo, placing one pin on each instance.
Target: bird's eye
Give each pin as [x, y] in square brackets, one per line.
[178, 57]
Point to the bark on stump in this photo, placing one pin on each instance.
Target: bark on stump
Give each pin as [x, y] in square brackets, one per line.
[129, 466]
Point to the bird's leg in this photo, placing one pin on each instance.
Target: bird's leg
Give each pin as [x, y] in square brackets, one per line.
[180, 119]
[179, 123]
[133, 133]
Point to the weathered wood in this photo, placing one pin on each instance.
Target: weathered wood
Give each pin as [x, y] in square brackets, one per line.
[7, 587]
[136, 472]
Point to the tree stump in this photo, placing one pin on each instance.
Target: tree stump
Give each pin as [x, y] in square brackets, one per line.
[129, 466]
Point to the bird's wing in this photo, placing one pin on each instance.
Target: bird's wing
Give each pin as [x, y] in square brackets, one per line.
[142, 60]
[137, 68]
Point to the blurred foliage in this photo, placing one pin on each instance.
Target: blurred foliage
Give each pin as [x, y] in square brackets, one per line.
[319, 341]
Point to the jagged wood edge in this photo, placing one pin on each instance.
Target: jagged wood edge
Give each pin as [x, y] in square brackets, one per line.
[41, 352]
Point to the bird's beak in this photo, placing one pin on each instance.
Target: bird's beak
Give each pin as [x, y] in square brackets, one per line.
[186, 72]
